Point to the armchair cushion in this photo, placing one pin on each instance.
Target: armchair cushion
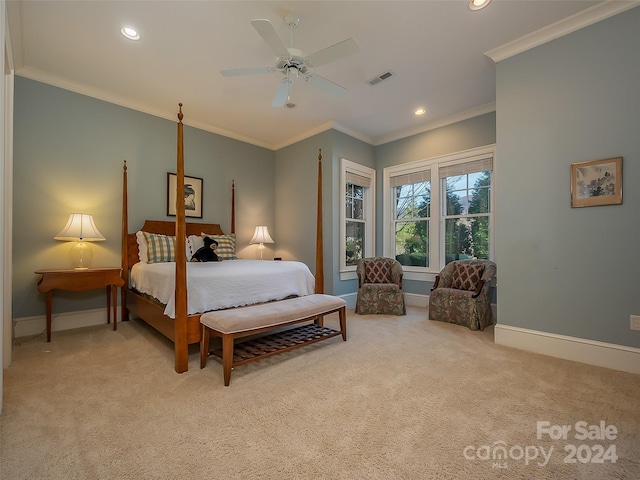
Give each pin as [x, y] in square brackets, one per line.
[377, 272]
[467, 277]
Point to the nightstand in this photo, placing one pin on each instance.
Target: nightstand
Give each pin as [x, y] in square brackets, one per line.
[81, 280]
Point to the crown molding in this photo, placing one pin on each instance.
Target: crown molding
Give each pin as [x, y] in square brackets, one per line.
[39, 76]
[303, 136]
[352, 133]
[563, 27]
[442, 122]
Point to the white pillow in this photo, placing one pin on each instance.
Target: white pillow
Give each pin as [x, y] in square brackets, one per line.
[142, 247]
[194, 243]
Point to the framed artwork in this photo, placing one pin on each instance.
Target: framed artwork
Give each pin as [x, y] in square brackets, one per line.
[192, 195]
[597, 182]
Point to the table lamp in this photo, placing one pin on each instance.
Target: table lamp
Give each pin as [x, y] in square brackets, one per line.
[261, 236]
[80, 229]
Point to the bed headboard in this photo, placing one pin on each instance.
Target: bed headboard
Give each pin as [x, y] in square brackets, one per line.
[164, 227]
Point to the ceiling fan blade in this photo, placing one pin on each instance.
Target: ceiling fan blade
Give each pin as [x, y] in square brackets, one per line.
[270, 36]
[247, 71]
[326, 85]
[335, 52]
[282, 94]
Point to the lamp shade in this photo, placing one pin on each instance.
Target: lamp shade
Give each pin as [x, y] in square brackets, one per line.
[80, 227]
[261, 235]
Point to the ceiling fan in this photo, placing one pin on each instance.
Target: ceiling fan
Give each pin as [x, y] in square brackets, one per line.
[293, 63]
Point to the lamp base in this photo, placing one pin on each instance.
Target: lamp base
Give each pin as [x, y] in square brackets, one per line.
[81, 255]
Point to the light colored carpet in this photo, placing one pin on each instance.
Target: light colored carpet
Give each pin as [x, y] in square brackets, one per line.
[403, 398]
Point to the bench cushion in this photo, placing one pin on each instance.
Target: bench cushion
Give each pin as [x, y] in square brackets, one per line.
[271, 314]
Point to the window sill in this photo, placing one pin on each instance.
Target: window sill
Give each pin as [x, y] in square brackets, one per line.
[348, 275]
[407, 275]
[420, 276]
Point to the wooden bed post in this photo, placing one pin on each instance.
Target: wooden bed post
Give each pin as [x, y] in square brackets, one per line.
[124, 312]
[233, 206]
[181, 346]
[319, 245]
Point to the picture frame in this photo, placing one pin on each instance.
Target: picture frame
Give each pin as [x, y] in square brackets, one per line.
[596, 182]
[192, 195]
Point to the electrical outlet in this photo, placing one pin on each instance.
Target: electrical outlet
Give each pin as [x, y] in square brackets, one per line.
[635, 322]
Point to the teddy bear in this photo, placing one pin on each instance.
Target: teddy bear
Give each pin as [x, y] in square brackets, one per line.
[206, 253]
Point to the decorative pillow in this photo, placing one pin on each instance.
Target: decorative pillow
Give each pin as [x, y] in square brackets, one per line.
[142, 246]
[160, 248]
[226, 245]
[467, 277]
[194, 243]
[378, 272]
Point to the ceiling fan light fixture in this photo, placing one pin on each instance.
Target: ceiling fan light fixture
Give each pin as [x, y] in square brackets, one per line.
[130, 33]
[478, 4]
[293, 63]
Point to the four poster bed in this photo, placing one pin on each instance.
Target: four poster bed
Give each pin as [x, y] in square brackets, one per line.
[166, 304]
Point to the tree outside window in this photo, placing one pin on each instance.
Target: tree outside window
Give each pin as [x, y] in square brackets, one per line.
[412, 213]
[467, 213]
[355, 226]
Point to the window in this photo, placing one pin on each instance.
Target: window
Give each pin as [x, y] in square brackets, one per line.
[357, 214]
[439, 210]
[412, 207]
[467, 209]
[354, 214]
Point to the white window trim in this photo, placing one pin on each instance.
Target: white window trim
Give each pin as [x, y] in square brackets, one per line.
[435, 227]
[369, 205]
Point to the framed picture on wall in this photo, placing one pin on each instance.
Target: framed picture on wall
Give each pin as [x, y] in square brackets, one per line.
[597, 182]
[192, 195]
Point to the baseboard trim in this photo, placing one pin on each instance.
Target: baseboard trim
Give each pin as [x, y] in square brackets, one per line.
[591, 352]
[29, 326]
[413, 299]
[416, 300]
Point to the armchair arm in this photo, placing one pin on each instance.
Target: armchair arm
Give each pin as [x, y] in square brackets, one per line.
[396, 274]
[478, 291]
[435, 284]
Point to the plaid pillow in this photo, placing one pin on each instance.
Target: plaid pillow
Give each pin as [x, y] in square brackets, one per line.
[160, 248]
[467, 277]
[226, 246]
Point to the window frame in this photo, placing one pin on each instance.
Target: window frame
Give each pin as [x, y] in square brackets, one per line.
[437, 210]
[368, 212]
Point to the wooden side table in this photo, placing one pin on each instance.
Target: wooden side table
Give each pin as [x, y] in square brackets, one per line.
[81, 280]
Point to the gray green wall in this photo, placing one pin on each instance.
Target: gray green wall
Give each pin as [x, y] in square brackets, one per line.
[569, 271]
[68, 156]
[296, 193]
[296, 200]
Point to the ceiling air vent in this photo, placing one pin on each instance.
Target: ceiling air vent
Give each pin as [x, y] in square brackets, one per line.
[380, 78]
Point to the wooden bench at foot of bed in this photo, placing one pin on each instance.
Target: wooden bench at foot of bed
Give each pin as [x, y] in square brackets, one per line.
[242, 322]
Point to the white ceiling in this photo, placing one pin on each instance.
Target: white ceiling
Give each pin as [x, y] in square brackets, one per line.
[436, 50]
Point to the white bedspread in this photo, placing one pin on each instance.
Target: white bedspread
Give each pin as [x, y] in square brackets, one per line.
[226, 284]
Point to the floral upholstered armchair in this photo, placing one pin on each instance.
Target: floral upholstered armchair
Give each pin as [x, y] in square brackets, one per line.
[460, 294]
[380, 286]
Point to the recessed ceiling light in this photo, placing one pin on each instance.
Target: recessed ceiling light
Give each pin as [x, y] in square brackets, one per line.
[478, 4]
[130, 33]
[420, 111]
